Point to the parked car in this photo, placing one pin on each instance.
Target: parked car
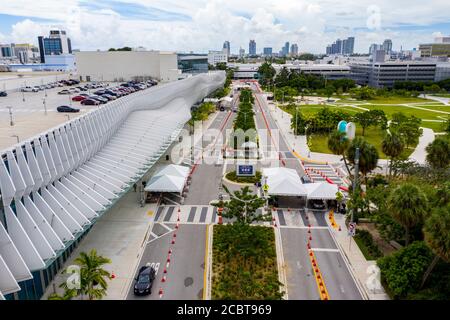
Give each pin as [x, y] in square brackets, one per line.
[78, 98]
[306, 179]
[27, 89]
[90, 102]
[98, 98]
[3, 94]
[67, 109]
[108, 96]
[65, 91]
[317, 204]
[144, 281]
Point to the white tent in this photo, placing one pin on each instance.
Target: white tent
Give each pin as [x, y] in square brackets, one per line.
[171, 178]
[283, 182]
[321, 190]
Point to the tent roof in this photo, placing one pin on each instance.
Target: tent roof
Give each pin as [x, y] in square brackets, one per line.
[284, 182]
[173, 170]
[321, 190]
[171, 178]
[165, 184]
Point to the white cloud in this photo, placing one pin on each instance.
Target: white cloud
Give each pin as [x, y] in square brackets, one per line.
[270, 22]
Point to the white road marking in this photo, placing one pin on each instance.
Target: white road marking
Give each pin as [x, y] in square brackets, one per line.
[325, 250]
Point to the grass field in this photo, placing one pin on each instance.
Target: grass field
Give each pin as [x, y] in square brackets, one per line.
[319, 142]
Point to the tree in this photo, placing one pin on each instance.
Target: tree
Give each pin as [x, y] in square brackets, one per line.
[408, 206]
[242, 206]
[407, 127]
[365, 119]
[338, 144]
[363, 93]
[92, 275]
[403, 270]
[438, 153]
[368, 155]
[392, 146]
[437, 237]
[266, 72]
[329, 90]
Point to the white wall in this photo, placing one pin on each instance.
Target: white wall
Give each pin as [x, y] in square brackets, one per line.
[108, 66]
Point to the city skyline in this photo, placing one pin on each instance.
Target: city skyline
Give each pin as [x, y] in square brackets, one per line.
[203, 26]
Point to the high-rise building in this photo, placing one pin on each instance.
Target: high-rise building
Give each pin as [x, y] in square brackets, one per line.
[345, 46]
[349, 45]
[285, 49]
[56, 44]
[267, 52]
[6, 50]
[241, 52]
[226, 47]
[387, 46]
[294, 50]
[374, 47]
[252, 48]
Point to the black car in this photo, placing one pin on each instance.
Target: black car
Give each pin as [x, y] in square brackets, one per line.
[67, 109]
[99, 99]
[3, 94]
[144, 280]
[306, 179]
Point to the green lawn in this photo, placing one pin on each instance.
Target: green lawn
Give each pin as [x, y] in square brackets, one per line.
[319, 142]
[396, 100]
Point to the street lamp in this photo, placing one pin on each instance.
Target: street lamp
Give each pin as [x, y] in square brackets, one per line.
[355, 178]
[45, 105]
[11, 122]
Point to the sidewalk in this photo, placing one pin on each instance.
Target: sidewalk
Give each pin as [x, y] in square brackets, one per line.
[120, 236]
[419, 155]
[362, 269]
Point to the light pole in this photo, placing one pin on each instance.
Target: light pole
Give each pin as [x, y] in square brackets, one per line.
[45, 105]
[11, 122]
[23, 94]
[355, 179]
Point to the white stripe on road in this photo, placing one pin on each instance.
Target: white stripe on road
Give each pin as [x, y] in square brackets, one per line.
[325, 250]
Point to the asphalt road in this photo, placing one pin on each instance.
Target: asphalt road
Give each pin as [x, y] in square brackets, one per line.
[264, 120]
[207, 175]
[185, 274]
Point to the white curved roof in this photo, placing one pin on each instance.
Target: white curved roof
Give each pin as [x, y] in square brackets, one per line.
[284, 182]
[321, 191]
[64, 179]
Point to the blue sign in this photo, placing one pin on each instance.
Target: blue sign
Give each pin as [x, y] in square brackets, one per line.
[245, 170]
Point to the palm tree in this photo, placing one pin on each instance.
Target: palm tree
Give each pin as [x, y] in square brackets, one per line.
[92, 275]
[392, 146]
[338, 144]
[437, 237]
[407, 204]
[438, 153]
[368, 155]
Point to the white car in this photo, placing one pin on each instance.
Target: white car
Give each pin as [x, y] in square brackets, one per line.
[65, 91]
[28, 89]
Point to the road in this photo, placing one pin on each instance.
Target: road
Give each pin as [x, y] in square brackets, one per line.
[301, 283]
[185, 274]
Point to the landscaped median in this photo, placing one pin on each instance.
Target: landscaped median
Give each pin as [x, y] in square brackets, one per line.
[244, 263]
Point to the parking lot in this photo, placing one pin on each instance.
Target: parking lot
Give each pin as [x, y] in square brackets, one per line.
[34, 112]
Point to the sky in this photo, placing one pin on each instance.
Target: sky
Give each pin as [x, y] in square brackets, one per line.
[200, 25]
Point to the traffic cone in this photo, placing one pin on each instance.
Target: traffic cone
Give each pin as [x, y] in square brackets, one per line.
[173, 241]
[340, 228]
[170, 251]
[113, 276]
[179, 210]
[174, 235]
[168, 258]
[160, 292]
[289, 209]
[310, 238]
[165, 270]
[163, 279]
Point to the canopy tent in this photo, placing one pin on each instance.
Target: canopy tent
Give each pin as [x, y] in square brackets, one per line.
[283, 182]
[321, 190]
[171, 178]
